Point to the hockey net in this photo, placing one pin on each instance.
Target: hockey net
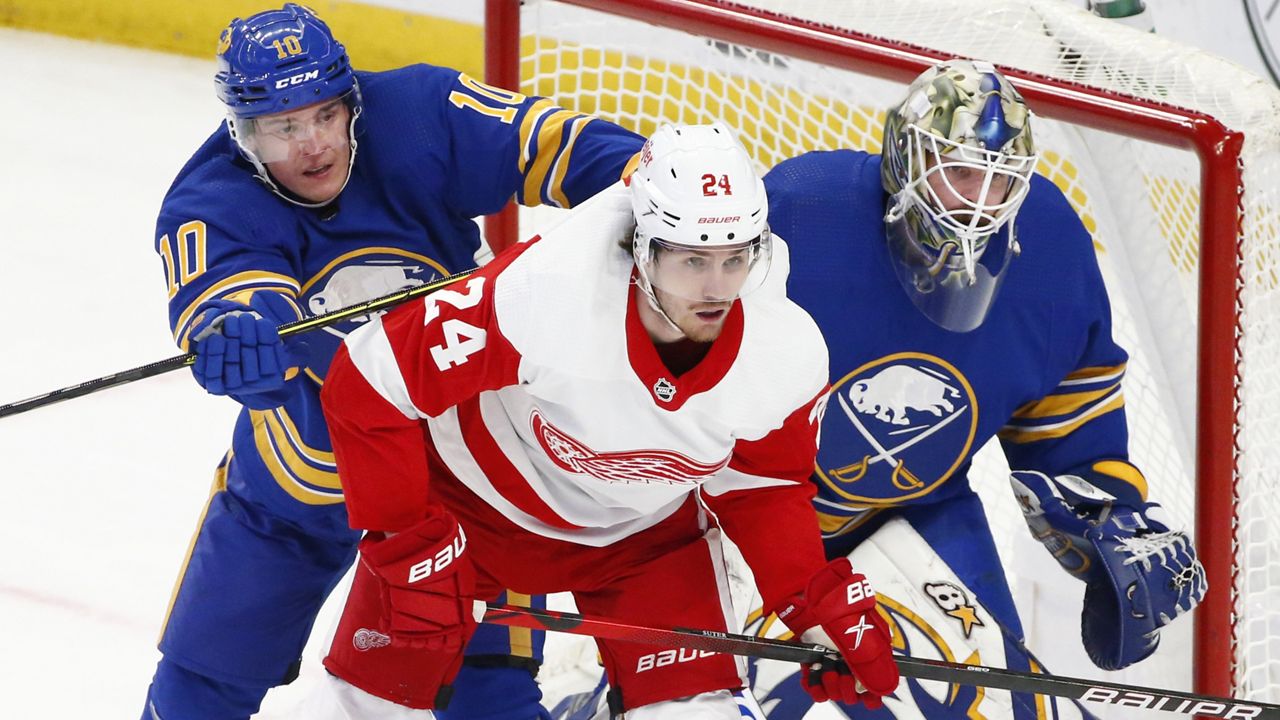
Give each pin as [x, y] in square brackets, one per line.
[1170, 156]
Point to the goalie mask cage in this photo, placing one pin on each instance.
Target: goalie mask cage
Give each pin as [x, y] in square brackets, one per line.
[1170, 156]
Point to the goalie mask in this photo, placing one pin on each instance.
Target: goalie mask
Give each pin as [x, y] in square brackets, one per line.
[701, 217]
[957, 163]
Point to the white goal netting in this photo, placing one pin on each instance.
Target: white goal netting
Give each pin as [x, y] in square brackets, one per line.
[1142, 202]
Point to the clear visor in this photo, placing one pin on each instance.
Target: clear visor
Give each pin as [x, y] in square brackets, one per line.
[707, 274]
[968, 191]
[298, 133]
[953, 288]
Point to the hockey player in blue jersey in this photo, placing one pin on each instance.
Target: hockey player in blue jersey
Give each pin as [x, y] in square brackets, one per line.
[961, 300]
[326, 186]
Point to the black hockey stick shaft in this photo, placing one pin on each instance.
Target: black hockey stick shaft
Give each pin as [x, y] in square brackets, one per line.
[1074, 688]
[160, 367]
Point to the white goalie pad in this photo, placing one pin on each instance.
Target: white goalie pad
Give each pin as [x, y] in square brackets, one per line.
[932, 615]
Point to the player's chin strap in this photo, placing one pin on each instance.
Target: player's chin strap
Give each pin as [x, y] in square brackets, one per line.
[265, 176]
[642, 281]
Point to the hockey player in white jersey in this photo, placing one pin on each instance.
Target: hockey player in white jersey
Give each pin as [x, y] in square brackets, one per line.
[590, 415]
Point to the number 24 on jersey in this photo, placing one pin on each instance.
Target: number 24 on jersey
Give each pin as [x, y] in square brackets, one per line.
[461, 338]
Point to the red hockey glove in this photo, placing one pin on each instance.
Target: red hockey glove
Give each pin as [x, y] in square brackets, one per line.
[428, 583]
[838, 609]
[409, 613]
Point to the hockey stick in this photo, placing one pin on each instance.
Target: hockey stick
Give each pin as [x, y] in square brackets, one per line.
[173, 363]
[710, 640]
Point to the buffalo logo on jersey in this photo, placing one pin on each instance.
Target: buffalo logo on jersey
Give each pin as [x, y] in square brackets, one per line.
[355, 278]
[372, 277]
[897, 428]
[629, 466]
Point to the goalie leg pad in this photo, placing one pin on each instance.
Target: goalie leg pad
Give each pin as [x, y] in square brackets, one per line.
[929, 574]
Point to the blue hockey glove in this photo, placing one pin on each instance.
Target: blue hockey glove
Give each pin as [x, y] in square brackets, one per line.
[238, 352]
[1139, 575]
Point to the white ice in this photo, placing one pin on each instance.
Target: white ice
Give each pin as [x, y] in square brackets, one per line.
[99, 495]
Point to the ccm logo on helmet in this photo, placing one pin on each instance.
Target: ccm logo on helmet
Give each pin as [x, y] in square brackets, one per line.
[717, 220]
[442, 559]
[298, 79]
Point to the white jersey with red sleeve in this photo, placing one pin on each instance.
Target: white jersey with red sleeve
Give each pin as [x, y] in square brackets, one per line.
[542, 393]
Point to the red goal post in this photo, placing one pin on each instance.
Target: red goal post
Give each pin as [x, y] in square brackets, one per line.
[1127, 105]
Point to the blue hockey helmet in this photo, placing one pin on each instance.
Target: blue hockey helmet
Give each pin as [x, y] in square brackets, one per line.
[957, 163]
[280, 60]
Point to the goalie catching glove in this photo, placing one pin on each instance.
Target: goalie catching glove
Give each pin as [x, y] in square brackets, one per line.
[838, 609]
[1139, 574]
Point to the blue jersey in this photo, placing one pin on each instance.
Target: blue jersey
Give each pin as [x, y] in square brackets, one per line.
[911, 402]
[434, 149]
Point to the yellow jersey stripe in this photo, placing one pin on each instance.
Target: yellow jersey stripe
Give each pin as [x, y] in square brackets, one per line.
[254, 278]
[246, 296]
[632, 164]
[831, 525]
[1063, 404]
[521, 639]
[219, 485]
[550, 136]
[294, 462]
[531, 120]
[319, 457]
[561, 166]
[276, 466]
[1028, 433]
[1124, 472]
[1088, 375]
